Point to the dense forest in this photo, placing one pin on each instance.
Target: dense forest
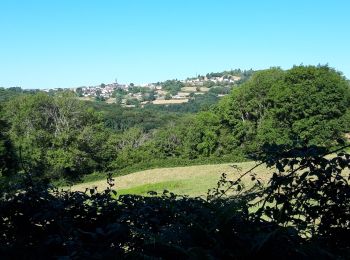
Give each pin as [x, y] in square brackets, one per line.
[289, 119]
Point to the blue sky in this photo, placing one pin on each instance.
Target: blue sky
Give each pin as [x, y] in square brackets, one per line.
[70, 43]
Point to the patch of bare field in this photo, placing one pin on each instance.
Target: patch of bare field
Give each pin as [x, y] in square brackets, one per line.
[170, 101]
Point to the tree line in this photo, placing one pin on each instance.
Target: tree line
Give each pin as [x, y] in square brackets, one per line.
[62, 137]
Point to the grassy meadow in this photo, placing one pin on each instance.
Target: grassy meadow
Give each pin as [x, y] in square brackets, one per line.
[190, 180]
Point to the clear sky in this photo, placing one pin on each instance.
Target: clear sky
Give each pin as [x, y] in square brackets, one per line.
[71, 43]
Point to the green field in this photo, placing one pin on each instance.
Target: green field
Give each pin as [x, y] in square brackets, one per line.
[190, 180]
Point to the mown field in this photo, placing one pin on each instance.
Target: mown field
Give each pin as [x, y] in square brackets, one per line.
[194, 89]
[170, 101]
[190, 180]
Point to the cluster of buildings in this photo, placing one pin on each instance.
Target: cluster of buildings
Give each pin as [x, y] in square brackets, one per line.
[103, 90]
[106, 91]
[199, 81]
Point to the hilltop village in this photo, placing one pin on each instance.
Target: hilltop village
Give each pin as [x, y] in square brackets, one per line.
[167, 92]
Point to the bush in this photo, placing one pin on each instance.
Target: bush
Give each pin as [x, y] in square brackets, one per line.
[39, 221]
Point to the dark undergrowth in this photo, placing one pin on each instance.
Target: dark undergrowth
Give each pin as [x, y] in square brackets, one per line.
[302, 214]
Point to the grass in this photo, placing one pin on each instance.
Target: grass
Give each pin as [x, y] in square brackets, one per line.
[194, 89]
[86, 98]
[189, 89]
[155, 164]
[170, 101]
[189, 180]
[157, 187]
[192, 180]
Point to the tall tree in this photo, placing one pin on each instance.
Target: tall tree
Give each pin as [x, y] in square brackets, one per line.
[305, 105]
[47, 130]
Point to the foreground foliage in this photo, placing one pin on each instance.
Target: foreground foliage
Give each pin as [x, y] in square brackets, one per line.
[302, 213]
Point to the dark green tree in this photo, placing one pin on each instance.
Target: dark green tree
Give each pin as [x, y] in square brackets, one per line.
[167, 96]
[8, 158]
[47, 131]
[305, 105]
[79, 92]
